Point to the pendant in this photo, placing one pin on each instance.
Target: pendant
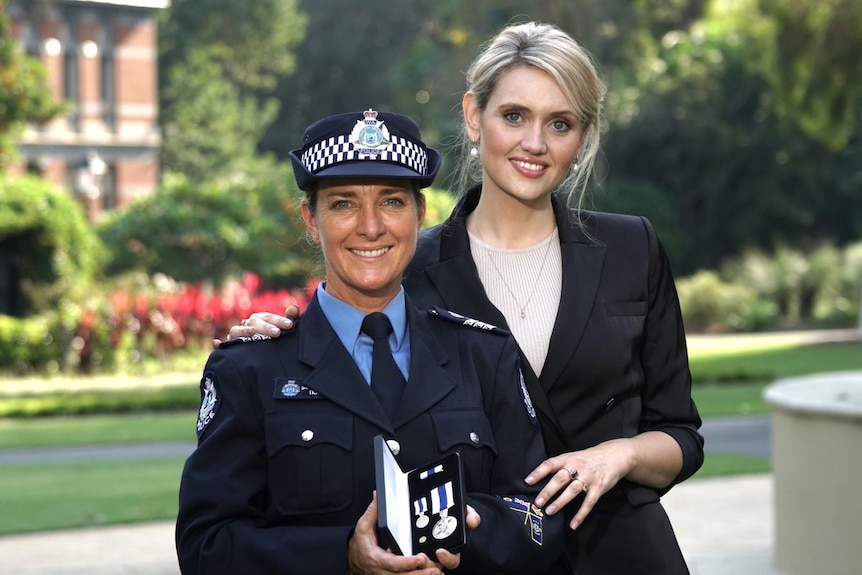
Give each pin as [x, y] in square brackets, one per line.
[523, 314]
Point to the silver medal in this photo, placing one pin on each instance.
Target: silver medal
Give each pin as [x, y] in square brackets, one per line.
[420, 506]
[445, 527]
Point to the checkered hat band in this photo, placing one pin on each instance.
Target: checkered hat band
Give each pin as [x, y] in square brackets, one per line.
[338, 149]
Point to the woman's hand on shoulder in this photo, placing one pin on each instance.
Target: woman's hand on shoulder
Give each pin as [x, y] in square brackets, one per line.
[263, 323]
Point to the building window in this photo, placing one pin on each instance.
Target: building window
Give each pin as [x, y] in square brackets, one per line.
[35, 168]
[30, 38]
[108, 78]
[109, 189]
[70, 70]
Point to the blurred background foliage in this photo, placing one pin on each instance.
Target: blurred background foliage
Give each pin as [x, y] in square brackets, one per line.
[734, 125]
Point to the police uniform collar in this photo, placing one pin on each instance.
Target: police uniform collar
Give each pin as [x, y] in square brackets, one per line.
[346, 320]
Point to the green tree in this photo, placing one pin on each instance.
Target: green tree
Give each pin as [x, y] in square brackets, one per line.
[702, 148]
[812, 59]
[56, 257]
[212, 231]
[210, 129]
[218, 62]
[24, 96]
[348, 61]
[253, 41]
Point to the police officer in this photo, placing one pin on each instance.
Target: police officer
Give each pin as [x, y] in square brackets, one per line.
[283, 476]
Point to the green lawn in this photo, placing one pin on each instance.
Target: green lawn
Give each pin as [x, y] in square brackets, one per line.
[767, 364]
[18, 433]
[729, 379]
[721, 465]
[57, 496]
[716, 400]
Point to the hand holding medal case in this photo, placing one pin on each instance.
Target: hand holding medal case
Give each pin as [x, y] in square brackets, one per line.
[421, 510]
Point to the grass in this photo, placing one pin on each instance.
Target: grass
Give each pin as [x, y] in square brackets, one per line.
[721, 465]
[57, 496]
[730, 375]
[729, 379]
[24, 433]
[723, 399]
[73, 396]
[769, 364]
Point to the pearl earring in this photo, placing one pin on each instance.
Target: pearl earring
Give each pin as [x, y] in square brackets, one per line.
[575, 166]
[474, 150]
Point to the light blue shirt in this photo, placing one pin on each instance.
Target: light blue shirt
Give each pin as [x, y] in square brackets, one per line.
[346, 320]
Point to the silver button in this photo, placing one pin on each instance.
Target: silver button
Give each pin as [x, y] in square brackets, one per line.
[307, 435]
[474, 437]
[394, 446]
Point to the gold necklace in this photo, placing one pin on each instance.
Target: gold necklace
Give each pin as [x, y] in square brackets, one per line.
[523, 308]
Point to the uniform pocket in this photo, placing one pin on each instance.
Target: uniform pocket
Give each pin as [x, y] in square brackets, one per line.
[469, 432]
[306, 449]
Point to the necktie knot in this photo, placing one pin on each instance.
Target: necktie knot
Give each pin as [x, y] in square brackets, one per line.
[377, 326]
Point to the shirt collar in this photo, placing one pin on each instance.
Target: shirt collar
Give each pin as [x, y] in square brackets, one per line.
[346, 320]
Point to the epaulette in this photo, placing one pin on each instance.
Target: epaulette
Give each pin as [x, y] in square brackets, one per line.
[463, 320]
[243, 339]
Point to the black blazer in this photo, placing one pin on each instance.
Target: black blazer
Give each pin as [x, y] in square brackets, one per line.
[617, 365]
[278, 480]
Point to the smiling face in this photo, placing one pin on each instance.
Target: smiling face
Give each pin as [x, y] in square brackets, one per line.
[367, 230]
[529, 135]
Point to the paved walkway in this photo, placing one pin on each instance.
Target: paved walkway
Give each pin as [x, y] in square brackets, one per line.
[724, 527]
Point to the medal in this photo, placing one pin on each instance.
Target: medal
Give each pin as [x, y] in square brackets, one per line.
[445, 527]
[421, 506]
[441, 501]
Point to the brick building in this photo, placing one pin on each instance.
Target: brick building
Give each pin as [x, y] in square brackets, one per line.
[101, 57]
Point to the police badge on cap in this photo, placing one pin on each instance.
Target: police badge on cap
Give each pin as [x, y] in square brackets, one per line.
[364, 145]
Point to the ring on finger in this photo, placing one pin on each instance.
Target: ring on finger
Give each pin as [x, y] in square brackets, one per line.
[243, 322]
[582, 482]
[573, 473]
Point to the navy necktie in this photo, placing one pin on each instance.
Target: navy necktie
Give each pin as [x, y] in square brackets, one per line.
[387, 381]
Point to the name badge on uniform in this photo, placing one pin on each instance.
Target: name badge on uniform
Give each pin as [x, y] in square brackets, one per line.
[292, 388]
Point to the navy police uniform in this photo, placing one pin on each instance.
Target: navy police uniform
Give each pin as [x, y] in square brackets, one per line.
[285, 467]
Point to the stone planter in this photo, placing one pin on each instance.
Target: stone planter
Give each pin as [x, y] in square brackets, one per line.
[817, 470]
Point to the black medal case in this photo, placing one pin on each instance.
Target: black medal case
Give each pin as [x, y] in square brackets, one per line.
[421, 510]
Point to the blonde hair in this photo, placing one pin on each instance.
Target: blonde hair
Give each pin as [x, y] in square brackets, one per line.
[547, 48]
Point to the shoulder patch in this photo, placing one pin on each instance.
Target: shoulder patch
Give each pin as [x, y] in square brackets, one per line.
[532, 517]
[243, 339]
[210, 402]
[464, 320]
[528, 402]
